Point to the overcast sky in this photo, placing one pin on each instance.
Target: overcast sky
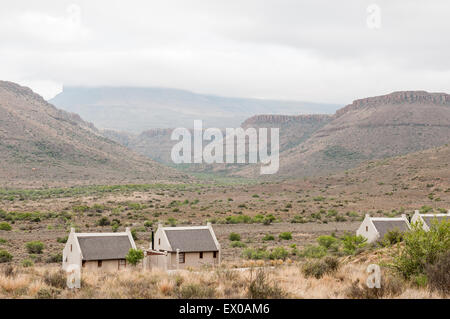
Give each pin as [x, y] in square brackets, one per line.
[321, 51]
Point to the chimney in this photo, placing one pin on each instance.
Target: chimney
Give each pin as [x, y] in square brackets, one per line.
[72, 229]
[153, 240]
[208, 224]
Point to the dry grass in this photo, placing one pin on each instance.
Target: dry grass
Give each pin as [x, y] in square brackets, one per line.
[286, 280]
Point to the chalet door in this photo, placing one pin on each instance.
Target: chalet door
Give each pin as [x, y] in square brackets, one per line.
[122, 264]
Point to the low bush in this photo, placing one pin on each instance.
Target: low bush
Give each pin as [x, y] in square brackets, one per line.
[353, 243]
[392, 237]
[320, 267]
[326, 241]
[285, 236]
[134, 256]
[5, 226]
[195, 291]
[422, 248]
[27, 263]
[56, 279]
[439, 275]
[236, 244]
[34, 247]
[234, 237]
[5, 256]
[389, 287]
[313, 252]
[268, 237]
[260, 287]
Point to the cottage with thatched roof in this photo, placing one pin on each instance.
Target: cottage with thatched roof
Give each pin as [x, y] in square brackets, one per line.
[98, 251]
[374, 228]
[427, 220]
[183, 247]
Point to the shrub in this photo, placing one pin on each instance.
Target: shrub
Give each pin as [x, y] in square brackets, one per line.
[326, 241]
[392, 237]
[194, 291]
[55, 258]
[235, 244]
[268, 219]
[234, 237]
[313, 252]
[134, 234]
[285, 235]
[422, 248]
[259, 253]
[321, 267]
[352, 243]
[278, 253]
[5, 256]
[268, 237]
[5, 226]
[35, 247]
[439, 274]
[134, 256]
[104, 221]
[27, 263]
[389, 287]
[298, 219]
[261, 287]
[56, 279]
[62, 240]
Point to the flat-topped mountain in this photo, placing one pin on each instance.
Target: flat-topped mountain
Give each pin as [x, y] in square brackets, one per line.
[373, 128]
[44, 145]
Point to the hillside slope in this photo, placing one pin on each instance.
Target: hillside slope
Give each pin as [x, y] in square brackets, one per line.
[40, 144]
[373, 128]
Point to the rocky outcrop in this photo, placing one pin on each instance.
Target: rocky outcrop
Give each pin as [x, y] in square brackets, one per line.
[284, 119]
[411, 97]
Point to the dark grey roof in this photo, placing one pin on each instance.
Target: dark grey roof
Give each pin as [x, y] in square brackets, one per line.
[191, 240]
[384, 226]
[429, 220]
[104, 247]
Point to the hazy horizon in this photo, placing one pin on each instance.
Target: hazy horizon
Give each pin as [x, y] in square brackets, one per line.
[282, 50]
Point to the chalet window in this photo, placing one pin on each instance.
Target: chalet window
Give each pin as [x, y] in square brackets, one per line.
[159, 241]
[70, 247]
[122, 263]
[367, 228]
[201, 255]
[215, 254]
[83, 263]
[99, 264]
[181, 258]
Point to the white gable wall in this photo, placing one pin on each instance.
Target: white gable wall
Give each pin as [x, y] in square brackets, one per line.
[367, 230]
[72, 251]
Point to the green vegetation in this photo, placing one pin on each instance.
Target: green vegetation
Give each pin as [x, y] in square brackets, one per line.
[239, 244]
[5, 256]
[134, 256]
[263, 253]
[234, 237]
[422, 249]
[34, 247]
[285, 236]
[320, 267]
[268, 237]
[5, 226]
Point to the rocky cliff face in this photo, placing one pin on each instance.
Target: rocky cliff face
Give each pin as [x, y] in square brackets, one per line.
[403, 97]
[272, 119]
